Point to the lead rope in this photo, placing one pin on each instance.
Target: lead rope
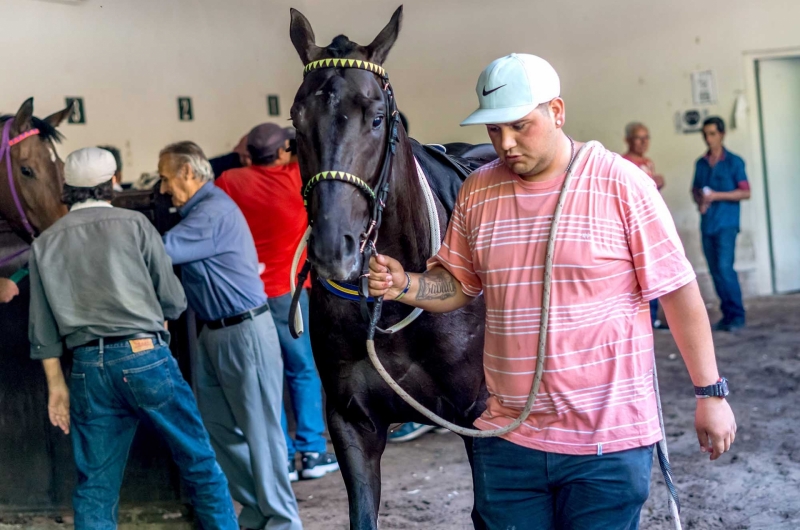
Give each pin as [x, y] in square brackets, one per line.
[663, 457]
[537, 380]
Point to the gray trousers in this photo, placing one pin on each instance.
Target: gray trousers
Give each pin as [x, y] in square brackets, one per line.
[240, 395]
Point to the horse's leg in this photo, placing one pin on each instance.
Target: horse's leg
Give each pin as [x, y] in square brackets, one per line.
[359, 451]
[477, 521]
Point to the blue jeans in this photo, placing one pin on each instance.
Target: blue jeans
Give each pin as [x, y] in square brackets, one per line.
[719, 249]
[302, 380]
[653, 310]
[112, 389]
[517, 487]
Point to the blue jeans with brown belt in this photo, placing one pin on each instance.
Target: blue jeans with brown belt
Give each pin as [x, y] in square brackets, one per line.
[112, 388]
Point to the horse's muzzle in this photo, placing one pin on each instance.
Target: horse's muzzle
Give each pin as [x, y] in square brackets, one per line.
[334, 256]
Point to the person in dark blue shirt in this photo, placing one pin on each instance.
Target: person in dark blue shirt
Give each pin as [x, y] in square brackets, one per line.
[240, 370]
[720, 184]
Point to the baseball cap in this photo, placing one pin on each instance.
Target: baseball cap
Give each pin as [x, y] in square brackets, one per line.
[511, 87]
[264, 141]
[89, 167]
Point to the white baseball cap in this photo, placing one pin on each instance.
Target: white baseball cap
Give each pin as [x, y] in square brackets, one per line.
[511, 87]
[89, 167]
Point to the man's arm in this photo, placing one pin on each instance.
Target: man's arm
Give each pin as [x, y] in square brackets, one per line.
[58, 394]
[190, 240]
[688, 321]
[43, 333]
[659, 180]
[8, 290]
[728, 196]
[46, 345]
[167, 286]
[697, 196]
[436, 290]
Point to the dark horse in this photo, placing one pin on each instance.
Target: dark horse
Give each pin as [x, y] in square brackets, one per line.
[342, 124]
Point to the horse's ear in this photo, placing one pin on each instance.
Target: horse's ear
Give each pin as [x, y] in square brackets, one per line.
[56, 118]
[22, 120]
[379, 49]
[302, 36]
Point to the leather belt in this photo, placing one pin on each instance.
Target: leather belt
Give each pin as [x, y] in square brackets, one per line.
[237, 319]
[122, 338]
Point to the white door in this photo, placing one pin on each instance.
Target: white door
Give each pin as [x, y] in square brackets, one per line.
[779, 95]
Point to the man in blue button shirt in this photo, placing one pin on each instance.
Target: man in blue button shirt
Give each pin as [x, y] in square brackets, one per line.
[720, 183]
[240, 371]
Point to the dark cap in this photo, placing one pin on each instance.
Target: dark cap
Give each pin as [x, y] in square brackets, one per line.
[264, 141]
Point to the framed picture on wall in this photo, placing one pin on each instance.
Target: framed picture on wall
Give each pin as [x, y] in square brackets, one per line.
[273, 106]
[78, 114]
[185, 110]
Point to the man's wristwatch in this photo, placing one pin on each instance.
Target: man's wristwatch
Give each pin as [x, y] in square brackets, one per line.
[719, 389]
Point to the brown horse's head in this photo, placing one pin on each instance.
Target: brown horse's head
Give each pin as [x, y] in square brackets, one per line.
[37, 172]
[341, 119]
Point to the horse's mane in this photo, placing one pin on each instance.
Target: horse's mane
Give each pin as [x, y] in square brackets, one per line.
[46, 131]
[340, 46]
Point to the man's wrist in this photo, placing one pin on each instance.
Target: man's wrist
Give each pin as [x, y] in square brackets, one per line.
[718, 390]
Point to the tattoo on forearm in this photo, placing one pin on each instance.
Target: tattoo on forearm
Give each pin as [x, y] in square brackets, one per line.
[437, 286]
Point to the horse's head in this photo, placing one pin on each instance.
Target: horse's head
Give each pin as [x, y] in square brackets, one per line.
[36, 171]
[342, 124]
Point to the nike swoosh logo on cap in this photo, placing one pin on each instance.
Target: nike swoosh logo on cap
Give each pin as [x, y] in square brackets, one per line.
[485, 93]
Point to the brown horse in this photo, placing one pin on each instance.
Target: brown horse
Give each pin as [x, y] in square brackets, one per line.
[37, 173]
[343, 121]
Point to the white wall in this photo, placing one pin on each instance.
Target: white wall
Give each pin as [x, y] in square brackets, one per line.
[620, 60]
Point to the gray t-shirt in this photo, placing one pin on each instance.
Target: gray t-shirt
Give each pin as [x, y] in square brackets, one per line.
[99, 272]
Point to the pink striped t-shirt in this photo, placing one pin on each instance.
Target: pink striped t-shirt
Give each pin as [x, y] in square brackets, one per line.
[617, 248]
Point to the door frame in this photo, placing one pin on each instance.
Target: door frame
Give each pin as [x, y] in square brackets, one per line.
[757, 171]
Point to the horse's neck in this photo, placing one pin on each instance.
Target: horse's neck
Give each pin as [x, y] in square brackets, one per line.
[405, 232]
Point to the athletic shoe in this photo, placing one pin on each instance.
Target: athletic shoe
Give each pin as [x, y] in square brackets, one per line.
[408, 432]
[317, 465]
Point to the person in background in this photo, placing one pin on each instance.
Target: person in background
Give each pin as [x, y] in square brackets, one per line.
[117, 180]
[268, 193]
[102, 283]
[237, 158]
[720, 184]
[240, 371]
[638, 139]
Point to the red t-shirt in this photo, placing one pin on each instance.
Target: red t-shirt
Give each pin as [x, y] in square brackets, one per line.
[270, 200]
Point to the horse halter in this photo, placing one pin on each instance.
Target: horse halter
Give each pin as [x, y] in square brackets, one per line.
[5, 152]
[377, 195]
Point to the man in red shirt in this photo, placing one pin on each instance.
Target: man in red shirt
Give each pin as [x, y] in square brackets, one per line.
[268, 193]
[638, 139]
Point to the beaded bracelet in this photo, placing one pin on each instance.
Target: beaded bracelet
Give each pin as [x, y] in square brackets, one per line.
[408, 286]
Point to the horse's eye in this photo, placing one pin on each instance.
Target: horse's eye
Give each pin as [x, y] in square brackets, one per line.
[26, 171]
[377, 122]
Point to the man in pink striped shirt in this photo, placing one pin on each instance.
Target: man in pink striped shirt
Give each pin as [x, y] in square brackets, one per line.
[583, 457]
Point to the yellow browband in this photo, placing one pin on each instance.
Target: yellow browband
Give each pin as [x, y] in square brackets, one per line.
[345, 63]
[341, 175]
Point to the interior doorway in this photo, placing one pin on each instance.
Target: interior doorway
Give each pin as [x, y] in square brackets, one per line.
[778, 87]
